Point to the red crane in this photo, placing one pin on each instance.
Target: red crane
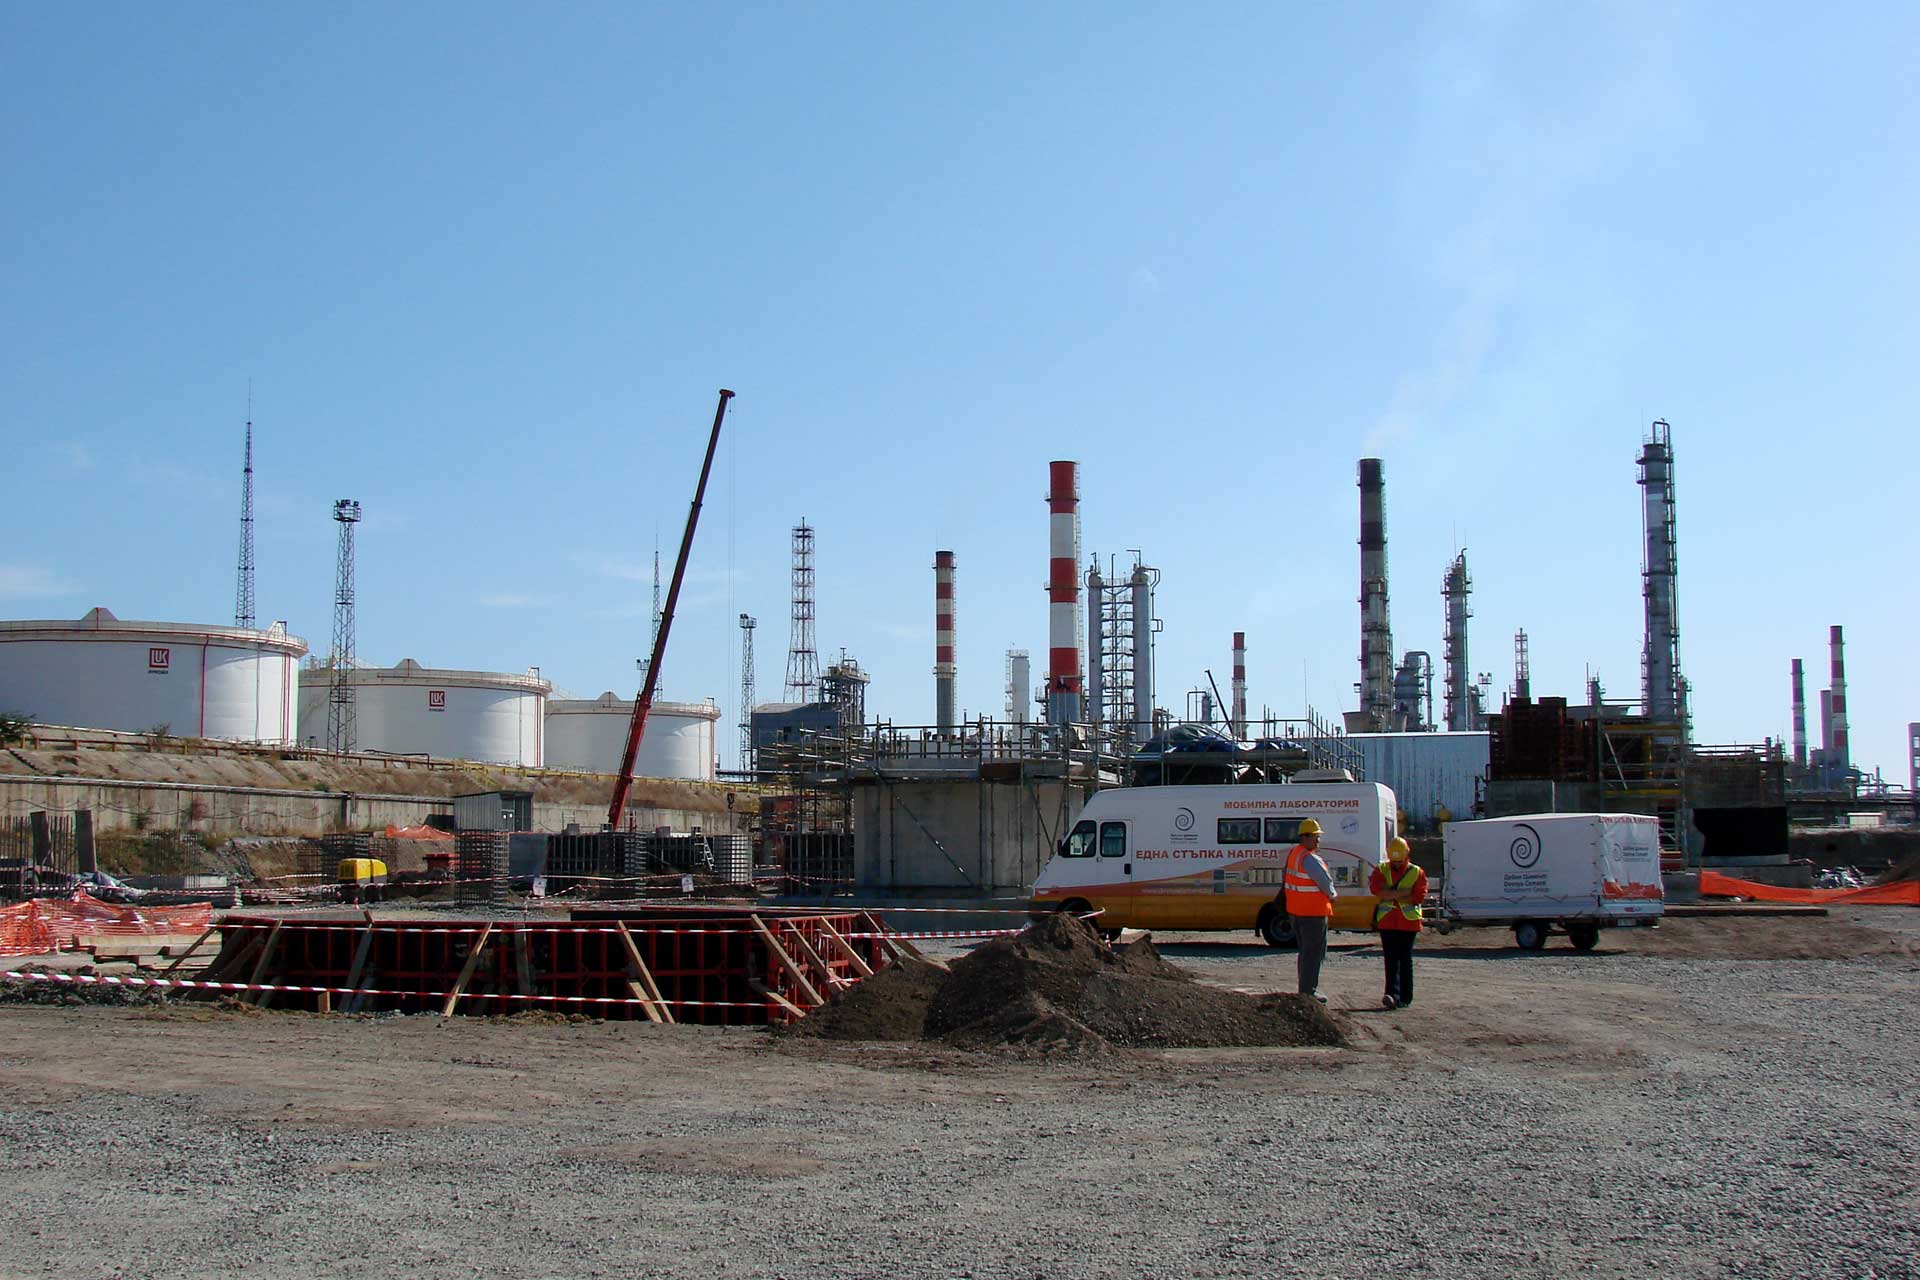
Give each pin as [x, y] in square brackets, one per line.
[645, 701]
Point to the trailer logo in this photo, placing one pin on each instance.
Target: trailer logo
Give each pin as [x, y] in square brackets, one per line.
[436, 699]
[1525, 849]
[159, 659]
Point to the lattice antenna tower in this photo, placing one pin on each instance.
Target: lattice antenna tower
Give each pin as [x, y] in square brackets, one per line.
[340, 691]
[1522, 666]
[803, 661]
[653, 636]
[747, 624]
[244, 612]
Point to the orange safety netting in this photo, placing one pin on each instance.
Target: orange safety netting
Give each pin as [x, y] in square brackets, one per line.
[417, 833]
[1904, 894]
[49, 924]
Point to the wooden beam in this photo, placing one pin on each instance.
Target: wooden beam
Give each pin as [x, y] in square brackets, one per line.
[854, 958]
[900, 947]
[467, 971]
[260, 966]
[644, 987]
[522, 962]
[182, 958]
[819, 962]
[776, 997]
[794, 971]
[356, 976]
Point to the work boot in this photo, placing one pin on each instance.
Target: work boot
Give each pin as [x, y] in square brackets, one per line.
[1388, 1002]
[1317, 996]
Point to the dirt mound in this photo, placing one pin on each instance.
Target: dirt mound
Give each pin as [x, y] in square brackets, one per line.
[891, 1005]
[1057, 986]
[27, 991]
[1906, 869]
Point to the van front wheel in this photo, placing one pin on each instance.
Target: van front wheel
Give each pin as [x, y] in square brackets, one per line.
[1276, 926]
[1530, 935]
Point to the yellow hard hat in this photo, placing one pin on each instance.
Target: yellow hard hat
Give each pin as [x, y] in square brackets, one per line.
[1309, 828]
[1397, 845]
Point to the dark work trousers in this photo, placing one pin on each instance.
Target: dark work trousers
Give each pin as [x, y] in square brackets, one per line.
[1312, 934]
[1398, 946]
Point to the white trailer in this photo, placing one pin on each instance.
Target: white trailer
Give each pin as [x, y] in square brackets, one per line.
[1575, 872]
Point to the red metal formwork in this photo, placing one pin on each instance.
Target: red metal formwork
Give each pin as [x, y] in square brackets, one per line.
[713, 966]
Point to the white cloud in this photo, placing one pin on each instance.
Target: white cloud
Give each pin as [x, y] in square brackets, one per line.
[29, 582]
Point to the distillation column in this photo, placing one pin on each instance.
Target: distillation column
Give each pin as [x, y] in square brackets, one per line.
[1376, 632]
[1455, 590]
[1660, 661]
[1142, 582]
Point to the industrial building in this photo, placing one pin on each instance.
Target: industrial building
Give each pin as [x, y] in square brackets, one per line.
[589, 734]
[488, 716]
[189, 679]
[1435, 777]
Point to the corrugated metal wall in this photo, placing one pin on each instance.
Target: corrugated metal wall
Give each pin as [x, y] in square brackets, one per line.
[1428, 772]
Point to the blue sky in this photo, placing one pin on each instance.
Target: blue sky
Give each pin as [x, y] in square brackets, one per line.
[486, 265]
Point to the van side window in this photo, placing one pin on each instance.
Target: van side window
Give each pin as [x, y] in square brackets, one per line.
[1113, 839]
[1391, 833]
[1080, 843]
[1239, 831]
[1282, 830]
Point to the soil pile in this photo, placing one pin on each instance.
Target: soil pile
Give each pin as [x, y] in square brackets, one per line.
[1057, 986]
[28, 991]
[891, 1005]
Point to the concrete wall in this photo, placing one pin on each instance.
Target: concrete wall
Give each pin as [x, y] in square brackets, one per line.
[964, 835]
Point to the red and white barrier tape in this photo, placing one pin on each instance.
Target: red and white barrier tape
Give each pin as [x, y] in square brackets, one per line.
[939, 933]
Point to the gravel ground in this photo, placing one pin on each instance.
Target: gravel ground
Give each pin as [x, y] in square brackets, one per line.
[1612, 1114]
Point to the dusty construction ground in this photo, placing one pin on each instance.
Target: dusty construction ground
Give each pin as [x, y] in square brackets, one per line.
[1671, 1104]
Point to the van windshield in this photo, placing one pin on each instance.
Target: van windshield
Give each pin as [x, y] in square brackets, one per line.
[1080, 843]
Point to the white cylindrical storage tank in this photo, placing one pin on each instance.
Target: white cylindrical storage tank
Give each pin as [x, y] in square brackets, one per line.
[412, 710]
[197, 681]
[589, 734]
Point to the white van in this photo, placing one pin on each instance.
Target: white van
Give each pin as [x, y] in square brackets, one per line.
[1212, 857]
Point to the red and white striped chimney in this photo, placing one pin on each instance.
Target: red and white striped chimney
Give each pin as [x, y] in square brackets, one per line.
[1239, 684]
[1837, 648]
[943, 640]
[1063, 593]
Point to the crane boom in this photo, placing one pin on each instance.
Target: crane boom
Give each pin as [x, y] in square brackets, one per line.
[645, 701]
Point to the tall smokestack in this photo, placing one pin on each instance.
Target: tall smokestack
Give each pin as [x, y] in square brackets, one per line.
[1063, 593]
[1142, 582]
[1239, 685]
[1376, 633]
[1455, 590]
[1837, 648]
[1660, 660]
[943, 667]
[1799, 714]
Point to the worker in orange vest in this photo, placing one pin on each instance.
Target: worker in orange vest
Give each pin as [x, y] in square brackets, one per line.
[1308, 887]
[1400, 886]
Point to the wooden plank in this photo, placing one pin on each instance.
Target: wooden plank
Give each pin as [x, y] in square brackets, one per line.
[467, 971]
[767, 991]
[260, 966]
[814, 957]
[794, 971]
[522, 962]
[644, 986]
[900, 947]
[326, 1002]
[356, 976]
[854, 958]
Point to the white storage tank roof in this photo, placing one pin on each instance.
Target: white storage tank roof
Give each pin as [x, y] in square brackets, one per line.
[196, 680]
[489, 716]
[590, 734]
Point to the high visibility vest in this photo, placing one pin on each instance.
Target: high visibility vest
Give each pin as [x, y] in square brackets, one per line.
[1408, 909]
[1303, 895]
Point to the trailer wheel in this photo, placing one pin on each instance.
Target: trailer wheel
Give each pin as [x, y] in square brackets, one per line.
[1530, 935]
[1276, 926]
[1585, 937]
